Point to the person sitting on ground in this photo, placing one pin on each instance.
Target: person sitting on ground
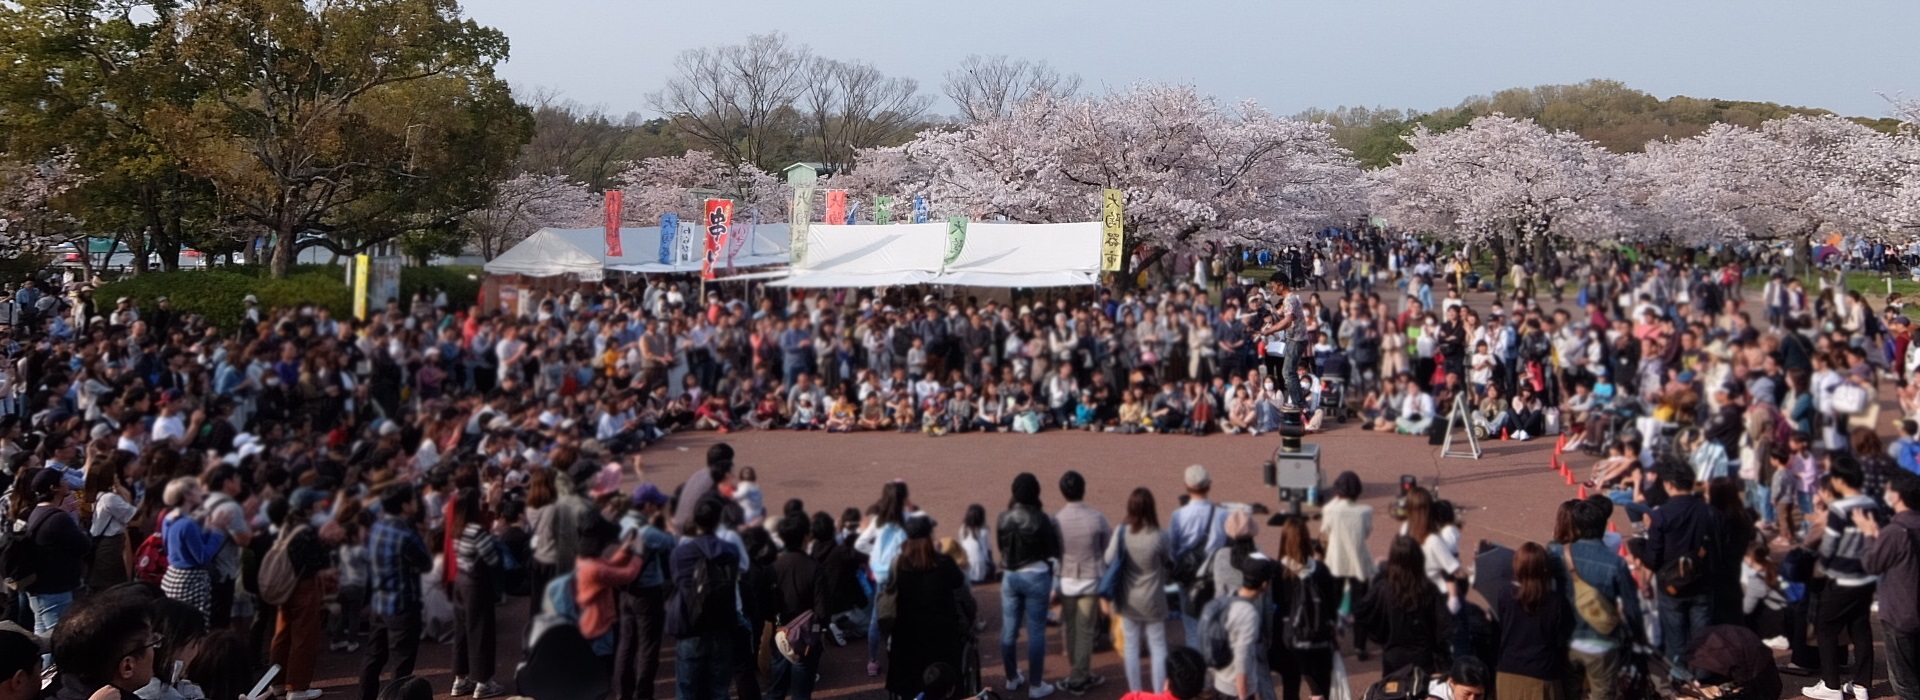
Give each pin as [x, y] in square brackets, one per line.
[1415, 410]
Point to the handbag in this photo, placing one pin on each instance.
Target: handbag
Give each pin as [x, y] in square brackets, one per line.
[886, 606]
[1113, 582]
[1849, 398]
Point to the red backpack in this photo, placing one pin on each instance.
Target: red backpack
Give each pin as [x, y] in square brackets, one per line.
[150, 560]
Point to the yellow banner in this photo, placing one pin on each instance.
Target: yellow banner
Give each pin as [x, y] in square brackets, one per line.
[1112, 230]
[362, 269]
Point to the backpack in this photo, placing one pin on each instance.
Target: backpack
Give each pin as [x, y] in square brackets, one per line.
[150, 559]
[1215, 643]
[1595, 608]
[276, 578]
[1408, 683]
[19, 556]
[711, 603]
[1310, 617]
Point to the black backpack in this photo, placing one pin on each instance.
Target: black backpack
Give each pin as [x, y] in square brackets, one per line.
[711, 603]
[1310, 618]
[19, 556]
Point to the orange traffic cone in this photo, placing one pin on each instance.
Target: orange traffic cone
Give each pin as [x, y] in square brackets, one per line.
[1569, 476]
[1612, 527]
[1503, 433]
[1582, 494]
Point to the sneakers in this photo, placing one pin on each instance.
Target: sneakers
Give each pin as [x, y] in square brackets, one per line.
[1015, 681]
[839, 637]
[1855, 691]
[1820, 691]
[1040, 690]
[336, 646]
[489, 689]
[462, 686]
[1776, 643]
[873, 669]
[308, 694]
[1092, 681]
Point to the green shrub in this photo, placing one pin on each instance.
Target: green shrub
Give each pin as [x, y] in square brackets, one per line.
[220, 294]
[461, 282]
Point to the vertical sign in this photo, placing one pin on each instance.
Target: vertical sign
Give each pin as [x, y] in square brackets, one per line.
[1112, 230]
[685, 244]
[920, 213]
[956, 239]
[719, 216]
[883, 210]
[362, 265]
[613, 224]
[669, 225]
[836, 206]
[801, 215]
[853, 207]
[742, 235]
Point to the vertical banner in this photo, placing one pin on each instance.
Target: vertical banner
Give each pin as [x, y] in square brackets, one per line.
[686, 249]
[800, 215]
[362, 269]
[883, 210]
[956, 239]
[613, 224]
[741, 236]
[1112, 230]
[719, 217]
[853, 209]
[669, 226]
[836, 206]
[920, 212]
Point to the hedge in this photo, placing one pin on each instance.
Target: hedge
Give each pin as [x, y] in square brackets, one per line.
[220, 293]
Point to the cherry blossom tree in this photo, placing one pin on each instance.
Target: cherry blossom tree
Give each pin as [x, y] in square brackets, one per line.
[528, 203]
[1197, 175]
[1507, 182]
[679, 185]
[29, 222]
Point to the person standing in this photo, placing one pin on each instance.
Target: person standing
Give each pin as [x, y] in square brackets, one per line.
[1142, 603]
[1592, 652]
[477, 558]
[297, 635]
[800, 586]
[1028, 543]
[1536, 623]
[704, 621]
[1680, 542]
[642, 604]
[1844, 607]
[1346, 523]
[1083, 537]
[399, 557]
[1247, 677]
[223, 487]
[57, 565]
[191, 548]
[1893, 554]
[1198, 529]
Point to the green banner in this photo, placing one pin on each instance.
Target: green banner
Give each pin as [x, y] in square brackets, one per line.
[883, 210]
[956, 239]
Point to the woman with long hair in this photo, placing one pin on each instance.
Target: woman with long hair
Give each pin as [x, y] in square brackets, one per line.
[1307, 600]
[477, 556]
[106, 507]
[1536, 627]
[1141, 603]
[50, 580]
[1346, 523]
[931, 601]
[1432, 526]
[880, 539]
[1405, 613]
[297, 636]
[1028, 543]
[542, 492]
[1728, 499]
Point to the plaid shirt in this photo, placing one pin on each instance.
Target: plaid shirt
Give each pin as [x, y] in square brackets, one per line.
[399, 557]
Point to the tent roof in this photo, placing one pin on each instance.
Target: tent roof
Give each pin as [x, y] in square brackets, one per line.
[564, 251]
[994, 255]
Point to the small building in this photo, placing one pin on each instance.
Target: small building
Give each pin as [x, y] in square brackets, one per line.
[806, 173]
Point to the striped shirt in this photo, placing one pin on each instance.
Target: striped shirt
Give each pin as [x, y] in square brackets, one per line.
[476, 548]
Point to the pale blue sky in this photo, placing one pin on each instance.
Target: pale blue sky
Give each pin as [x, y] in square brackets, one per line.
[1286, 54]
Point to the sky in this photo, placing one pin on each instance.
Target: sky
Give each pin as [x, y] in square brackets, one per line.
[1288, 55]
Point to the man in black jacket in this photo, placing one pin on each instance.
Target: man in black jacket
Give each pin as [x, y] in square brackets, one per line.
[1028, 542]
[800, 586]
[1680, 542]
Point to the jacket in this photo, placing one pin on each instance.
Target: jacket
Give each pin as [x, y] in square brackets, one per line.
[595, 582]
[1083, 537]
[1678, 529]
[1608, 574]
[1026, 536]
[689, 556]
[1894, 556]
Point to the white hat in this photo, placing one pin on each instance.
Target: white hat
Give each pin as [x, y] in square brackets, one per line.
[1198, 478]
[250, 299]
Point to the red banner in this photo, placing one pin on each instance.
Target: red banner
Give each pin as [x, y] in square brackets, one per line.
[613, 224]
[719, 219]
[836, 207]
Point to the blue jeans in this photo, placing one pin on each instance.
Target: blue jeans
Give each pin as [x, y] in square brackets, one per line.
[47, 610]
[1636, 511]
[1903, 662]
[703, 667]
[1290, 371]
[1760, 499]
[1024, 596]
[1682, 619]
[794, 679]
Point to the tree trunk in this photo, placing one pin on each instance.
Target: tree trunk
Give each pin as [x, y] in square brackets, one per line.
[280, 259]
[1802, 252]
[1500, 260]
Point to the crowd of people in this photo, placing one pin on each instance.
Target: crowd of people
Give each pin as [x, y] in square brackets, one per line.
[193, 499]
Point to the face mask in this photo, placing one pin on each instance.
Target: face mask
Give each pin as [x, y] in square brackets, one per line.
[1269, 386]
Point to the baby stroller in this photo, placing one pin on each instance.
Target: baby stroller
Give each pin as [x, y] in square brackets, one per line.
[1729, 662]
[1334, 371]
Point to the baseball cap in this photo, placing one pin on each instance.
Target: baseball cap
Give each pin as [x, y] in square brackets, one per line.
[1198, 478]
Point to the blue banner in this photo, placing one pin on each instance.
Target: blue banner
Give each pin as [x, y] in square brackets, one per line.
[920, 213]
[853, 211]
[669, 226]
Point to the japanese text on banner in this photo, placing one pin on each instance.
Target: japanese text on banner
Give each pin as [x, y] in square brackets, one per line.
[613, 224]
[719, 218]
[1112, 230]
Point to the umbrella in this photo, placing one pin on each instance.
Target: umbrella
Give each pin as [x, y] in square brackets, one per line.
[1492, 570]
[1736, 654]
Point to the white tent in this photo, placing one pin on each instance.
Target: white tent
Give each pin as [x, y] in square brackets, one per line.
[993, 255]
[582, 251]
